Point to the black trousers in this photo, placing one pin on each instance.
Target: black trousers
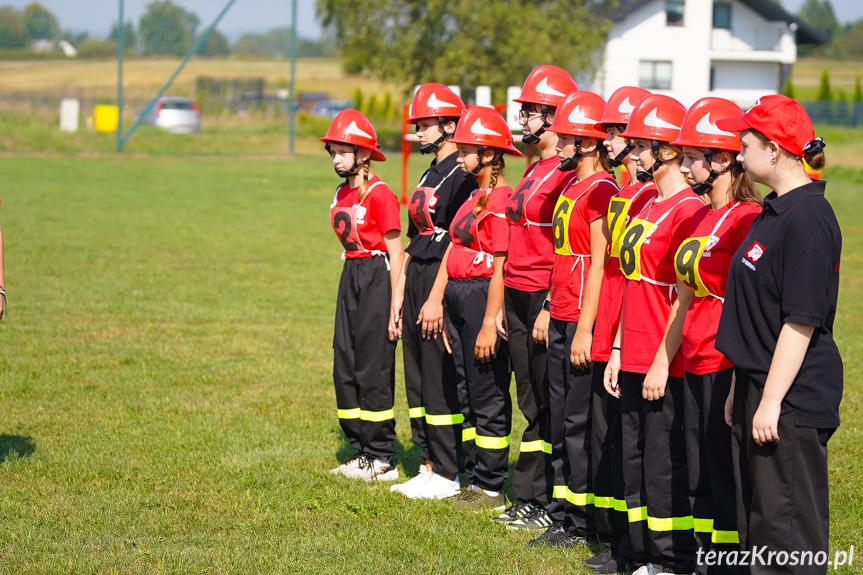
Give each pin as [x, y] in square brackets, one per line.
[709, 462]
[666, 481]
[569, 428]
[632, 453]
[782, 487]
[609, 513]
[430, 382]
[533, 476]
[364, 357]
[486, 403]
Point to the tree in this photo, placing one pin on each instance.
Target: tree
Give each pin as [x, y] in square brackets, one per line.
[215, 46]
[820, 15]
[40, 22]
[460, 42]
[167, 29]
[13, 32]
[250, 45]
[130, 39]
[824, 91]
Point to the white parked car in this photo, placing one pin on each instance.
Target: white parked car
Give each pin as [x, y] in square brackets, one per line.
[175, 114]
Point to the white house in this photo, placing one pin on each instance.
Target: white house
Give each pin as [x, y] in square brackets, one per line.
[688, 49]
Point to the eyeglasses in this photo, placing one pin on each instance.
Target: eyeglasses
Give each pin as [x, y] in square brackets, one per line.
[527, 114]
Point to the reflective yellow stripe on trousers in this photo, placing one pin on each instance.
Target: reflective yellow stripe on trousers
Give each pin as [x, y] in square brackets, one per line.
[580, 499]
[537, 445]
[488, 442]
[670, 523]
[446, 419]
[468, 434]
[416, 412]
[602, 502]
[377, 416]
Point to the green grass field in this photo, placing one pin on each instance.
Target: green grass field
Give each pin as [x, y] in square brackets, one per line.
[166, 380]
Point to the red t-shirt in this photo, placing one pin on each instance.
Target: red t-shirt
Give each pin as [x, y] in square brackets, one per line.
[620, 208]
[529, 213]
[647, 260]
[702, 262]
[475, 239]
[579, 205]
[361, 226]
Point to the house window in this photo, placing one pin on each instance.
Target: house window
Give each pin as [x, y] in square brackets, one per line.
[674, 12]
[654, 75]
[722, 15]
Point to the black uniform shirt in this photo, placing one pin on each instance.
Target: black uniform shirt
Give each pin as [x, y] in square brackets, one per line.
[787, 270]
[433, 205]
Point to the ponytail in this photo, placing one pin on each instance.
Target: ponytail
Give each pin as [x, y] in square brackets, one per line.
[742, 189]
[364, 186]
[497, 166]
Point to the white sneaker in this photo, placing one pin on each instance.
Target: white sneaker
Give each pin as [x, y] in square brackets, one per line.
[647, 569]
[413, 482]
[370, 468]
[436, 486]
[348, 465]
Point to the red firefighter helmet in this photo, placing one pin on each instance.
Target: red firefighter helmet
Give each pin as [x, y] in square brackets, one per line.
[656, 117]
[620, 105]
[481, 126]
[578, 114]
[546, 85]
[699, 126]
[435, 101]
[352, 128]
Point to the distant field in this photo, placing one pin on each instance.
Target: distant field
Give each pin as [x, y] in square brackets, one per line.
[143, 78]
[165, 377]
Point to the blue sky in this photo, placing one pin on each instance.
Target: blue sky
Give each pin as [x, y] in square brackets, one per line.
[258, 15]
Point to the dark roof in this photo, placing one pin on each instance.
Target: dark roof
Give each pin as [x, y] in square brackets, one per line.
[769, 9]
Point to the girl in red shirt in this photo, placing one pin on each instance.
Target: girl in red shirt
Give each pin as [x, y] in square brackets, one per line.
[430, 380]
[527, 277]
[581, 241]
[701, 263]
[365, 216]
[651, 379]
[474, 298]
[609, 512]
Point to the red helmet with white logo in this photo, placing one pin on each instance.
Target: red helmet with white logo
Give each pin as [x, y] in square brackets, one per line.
[578, 114]
[546, 85]
[352, 128]
[620, 105]
[656, 117]
[481, 126]
[699, 126]
[435, 101]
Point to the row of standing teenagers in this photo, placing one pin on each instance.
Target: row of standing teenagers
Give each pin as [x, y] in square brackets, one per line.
[365, 216]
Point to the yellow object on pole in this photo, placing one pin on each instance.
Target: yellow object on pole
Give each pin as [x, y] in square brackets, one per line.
[107, 118]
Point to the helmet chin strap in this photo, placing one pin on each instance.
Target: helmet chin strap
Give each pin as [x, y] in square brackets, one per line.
[647, 176]
[704, 188]
[617, 160]
[431, 147]
[569, 164]
[353, 171]
[474, 173]
[533, 138]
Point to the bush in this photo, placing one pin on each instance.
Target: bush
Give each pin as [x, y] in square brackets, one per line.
[789, 89]
[93, 48]
[824, 91]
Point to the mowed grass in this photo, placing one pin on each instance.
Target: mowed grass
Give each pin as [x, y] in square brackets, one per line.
[165, 375]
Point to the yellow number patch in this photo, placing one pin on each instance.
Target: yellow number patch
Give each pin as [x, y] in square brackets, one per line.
[562, 212]
[630, 247]
[617, 210]
[686, 262]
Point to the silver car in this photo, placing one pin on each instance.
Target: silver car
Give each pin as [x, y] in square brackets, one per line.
[175, 114]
